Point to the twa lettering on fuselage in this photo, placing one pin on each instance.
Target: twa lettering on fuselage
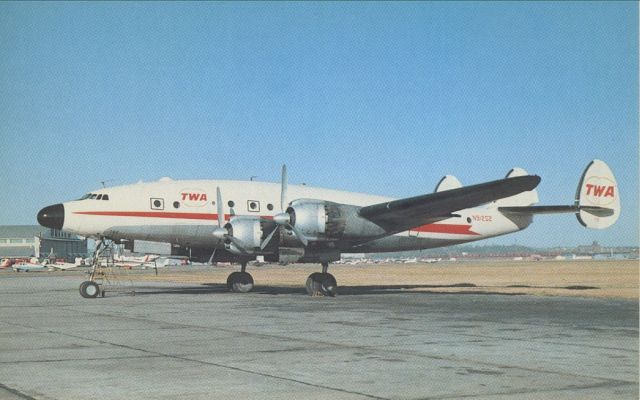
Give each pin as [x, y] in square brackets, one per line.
[599, 191]
[193, 197]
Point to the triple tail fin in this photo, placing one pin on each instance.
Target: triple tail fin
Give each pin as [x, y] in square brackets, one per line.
[447, 182]
[597, 201]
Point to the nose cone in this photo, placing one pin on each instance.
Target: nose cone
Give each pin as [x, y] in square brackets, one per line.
[52, 216]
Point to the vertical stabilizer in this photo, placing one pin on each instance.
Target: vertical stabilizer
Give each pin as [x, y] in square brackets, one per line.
[521, 199]
[597, 188]
[447, 182]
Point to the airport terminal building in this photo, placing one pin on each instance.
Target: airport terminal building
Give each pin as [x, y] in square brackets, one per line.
[38, 241]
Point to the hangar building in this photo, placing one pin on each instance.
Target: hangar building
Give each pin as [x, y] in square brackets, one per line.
[38, 241]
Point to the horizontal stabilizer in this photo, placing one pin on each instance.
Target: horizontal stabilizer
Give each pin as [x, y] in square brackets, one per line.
[597, 211]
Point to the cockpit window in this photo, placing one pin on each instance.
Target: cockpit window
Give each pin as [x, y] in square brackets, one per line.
[95, 196]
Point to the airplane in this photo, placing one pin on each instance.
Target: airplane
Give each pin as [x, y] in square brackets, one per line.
[61, 266]
[237, 221]
[28, 266]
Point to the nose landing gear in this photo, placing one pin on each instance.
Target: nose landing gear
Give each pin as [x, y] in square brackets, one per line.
[94, 287]
[90, 290]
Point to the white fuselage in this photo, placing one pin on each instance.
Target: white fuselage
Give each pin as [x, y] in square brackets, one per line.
[185, 213]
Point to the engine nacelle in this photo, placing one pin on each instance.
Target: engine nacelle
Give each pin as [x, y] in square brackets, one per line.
[250, 231]
[321, 220]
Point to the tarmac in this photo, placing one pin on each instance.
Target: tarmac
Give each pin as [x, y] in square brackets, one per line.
[370, 342]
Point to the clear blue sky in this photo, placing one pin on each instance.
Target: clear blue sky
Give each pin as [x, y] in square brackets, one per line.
[372, 97]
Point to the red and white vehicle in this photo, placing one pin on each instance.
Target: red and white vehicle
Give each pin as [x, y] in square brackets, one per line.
[220, 220]
[8, 262]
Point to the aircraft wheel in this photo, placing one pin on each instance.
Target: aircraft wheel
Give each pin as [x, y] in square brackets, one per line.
[322, 284]
[240, 282]
[89, 289]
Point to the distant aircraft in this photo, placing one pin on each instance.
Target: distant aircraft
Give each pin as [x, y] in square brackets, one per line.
[241, 220]
[28, 267]
[62, 266]
[7, 262]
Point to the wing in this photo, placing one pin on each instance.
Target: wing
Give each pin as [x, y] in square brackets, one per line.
[400, 215]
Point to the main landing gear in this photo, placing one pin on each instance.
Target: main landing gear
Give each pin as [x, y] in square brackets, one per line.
[318, 284]
[240, 282]
[322, 283]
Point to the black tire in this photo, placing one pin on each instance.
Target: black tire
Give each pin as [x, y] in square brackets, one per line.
[89, 290]
[329, 286]
[314, 284]
[319, 284]
[240, 282]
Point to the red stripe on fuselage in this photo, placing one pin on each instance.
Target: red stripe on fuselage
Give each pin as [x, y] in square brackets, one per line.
[157, 214]
[445, 228]
[430, 228]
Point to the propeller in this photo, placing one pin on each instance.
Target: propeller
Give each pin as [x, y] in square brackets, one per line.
[212, 255]
[222, 231]
[284, 218]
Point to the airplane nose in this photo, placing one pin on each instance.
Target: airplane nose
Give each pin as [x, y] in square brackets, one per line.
[52, 216]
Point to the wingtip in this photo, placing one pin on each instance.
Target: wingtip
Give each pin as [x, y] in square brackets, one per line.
[538, 179]
[528, 181]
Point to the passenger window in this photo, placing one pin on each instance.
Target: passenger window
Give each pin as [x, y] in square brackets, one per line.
[93, 196]
[99, 197]
[157, 204]
[105, 197]
[253, 205]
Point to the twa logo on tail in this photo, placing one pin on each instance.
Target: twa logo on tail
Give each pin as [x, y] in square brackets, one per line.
[599, 190]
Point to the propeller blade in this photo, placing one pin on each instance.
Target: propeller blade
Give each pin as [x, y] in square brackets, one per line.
[299, 234]
[220, 210]
[239, 244]
[267, 240]
[212, 255]
[283, 189]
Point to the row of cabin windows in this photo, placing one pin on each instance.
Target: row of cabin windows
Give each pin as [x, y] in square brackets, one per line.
[252, 205]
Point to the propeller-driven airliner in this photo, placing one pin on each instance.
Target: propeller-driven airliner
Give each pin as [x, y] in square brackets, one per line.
[237, 221]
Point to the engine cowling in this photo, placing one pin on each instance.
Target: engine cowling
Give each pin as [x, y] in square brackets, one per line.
[250, 231]
[321, 220]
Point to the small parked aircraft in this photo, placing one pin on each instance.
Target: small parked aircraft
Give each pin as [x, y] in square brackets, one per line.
[28, 267]
[238, 221]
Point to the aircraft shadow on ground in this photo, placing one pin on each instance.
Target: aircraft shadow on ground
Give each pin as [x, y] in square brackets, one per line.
[217, 288]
